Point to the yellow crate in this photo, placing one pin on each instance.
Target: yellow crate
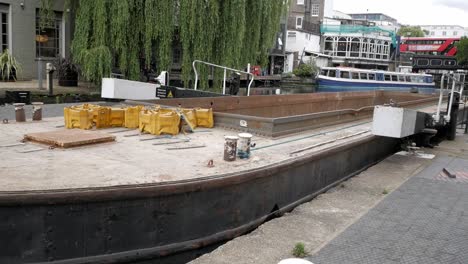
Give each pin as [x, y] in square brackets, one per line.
[204, 117]
[132, 115]
[157, 123]
[78, 118]
[117, 117]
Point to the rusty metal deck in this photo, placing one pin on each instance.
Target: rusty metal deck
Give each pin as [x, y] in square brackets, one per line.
[282, 115]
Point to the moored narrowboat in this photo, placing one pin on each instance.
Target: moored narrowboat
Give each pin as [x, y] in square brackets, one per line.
[349, 79]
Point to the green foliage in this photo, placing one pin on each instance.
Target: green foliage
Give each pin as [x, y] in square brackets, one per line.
[385, 192]
[299, 251]
[9, 66]
[411, 31]
[227, 32]
[306, 70]
[98, 63]
[46, 14]
[462, 53]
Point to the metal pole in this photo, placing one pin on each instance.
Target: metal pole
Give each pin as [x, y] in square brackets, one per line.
[449, 110]
[437, 117]
[224, 82]
[248, 70]
[39, 73]
[196, 76]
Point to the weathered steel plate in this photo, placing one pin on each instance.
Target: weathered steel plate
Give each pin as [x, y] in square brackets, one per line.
[70, 138]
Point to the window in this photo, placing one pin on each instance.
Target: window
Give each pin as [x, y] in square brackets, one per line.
[444, 33]
[394, 78]
[355, 75]
[345, 75]
[342, 45]
[300, 2]
[372, 76]
[387, 78]
[363, 76]
[324, 72]
[408, 78]
[299, 22]
[48, 39]
[332, 73]
[432, 33]
[455, 33]
[355, 47]
[401, 78]
[315, 10]
[4, 27]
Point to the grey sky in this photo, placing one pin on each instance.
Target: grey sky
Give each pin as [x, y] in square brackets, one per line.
[413, 12]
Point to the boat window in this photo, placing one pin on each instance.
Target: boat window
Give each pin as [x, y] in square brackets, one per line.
[345, 75]
[332, 73]
[401, 78]
[355, 75]
[324, 72]
[429, 79]
[372, 76]
[408, 78]
[363, 76]
[394, 78]
[387, 78]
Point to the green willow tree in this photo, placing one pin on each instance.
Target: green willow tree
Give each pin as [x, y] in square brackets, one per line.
[411, 31]
[462, 53]
[131, 34]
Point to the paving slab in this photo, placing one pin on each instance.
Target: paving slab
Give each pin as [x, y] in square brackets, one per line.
[69, 138]
[423, 221]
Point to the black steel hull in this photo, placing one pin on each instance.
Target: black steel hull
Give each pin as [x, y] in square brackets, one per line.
[171, 222]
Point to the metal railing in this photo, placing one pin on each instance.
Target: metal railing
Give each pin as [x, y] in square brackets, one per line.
[457, 82]
[224, 78]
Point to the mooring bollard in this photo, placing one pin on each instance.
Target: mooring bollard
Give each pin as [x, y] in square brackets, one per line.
[19, 112]
[230, 148]
[37, 111]
[243, 148]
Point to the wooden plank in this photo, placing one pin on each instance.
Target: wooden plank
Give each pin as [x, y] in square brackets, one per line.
[70, 138]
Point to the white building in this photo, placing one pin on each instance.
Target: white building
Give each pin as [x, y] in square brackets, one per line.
[359, 42]
[303, 32]
[444, 31]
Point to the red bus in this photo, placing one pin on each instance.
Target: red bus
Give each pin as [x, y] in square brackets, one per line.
[430, 46]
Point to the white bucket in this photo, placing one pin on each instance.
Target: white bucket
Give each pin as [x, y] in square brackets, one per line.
[243, 147]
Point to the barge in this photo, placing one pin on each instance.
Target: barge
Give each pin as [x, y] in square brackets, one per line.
[135, 202]
[349, 79]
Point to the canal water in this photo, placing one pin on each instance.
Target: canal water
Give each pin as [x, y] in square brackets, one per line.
[289, 89]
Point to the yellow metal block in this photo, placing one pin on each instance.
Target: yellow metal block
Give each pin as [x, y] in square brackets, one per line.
[144, 121]
[78, 118]
[132, 116]
[157, 123]
[117, 118]
[190, 117]
[167, 123]
[102, 116]
[204, 117]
